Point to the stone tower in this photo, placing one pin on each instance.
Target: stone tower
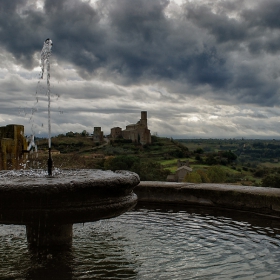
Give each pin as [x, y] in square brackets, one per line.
[144, 119]
[98, 135]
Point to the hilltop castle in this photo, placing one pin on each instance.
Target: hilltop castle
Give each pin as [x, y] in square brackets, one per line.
[138, 132]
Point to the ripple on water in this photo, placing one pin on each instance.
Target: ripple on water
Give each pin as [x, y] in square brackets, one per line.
[152, 244]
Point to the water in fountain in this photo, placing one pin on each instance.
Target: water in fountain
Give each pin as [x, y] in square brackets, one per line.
[155, 243]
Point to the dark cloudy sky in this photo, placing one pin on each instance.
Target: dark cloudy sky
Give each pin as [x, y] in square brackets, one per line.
[201, 68]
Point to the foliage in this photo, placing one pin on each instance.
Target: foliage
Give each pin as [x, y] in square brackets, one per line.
[198, 176]
[198, 157]
[150, 171]
[70, 134]
[210, 160]
[260, 172]
[120, 162]
[199, 151]
[256, 158]
[84, 133]
[178, 153]
[216, 174]
[230, 156]
[271, 181]
[122, 141]
[260, 145]
[193, 177]
[147, 170]
[203, 176]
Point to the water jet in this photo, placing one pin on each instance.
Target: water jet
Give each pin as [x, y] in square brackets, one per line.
[45, 58]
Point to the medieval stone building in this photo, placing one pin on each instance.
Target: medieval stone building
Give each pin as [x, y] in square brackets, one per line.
[13, 146]
[97, 135]
[138, 132]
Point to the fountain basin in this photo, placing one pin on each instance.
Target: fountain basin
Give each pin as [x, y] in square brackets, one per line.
[50, 205]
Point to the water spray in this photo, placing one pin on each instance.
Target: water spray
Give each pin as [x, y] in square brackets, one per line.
[45, 55]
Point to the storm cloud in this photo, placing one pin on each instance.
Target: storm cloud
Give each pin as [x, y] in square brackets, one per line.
[182, 61]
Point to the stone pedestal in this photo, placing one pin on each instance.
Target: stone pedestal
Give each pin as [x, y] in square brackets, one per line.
[48, 236]
[50, 205]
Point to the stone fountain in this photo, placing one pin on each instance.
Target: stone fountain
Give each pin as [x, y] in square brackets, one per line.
[50, 203]
[49, 206]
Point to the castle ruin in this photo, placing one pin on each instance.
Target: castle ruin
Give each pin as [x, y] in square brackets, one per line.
[97, 135]
[138, 132]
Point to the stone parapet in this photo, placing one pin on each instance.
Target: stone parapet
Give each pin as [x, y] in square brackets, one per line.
[255, 199]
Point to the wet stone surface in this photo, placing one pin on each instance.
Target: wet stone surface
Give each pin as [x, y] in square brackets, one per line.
[69, 196]
[39, 178]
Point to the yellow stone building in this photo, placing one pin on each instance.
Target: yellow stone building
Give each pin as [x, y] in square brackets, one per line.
[13, 146]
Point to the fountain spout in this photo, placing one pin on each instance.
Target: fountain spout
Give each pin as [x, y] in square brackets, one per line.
[50, 163]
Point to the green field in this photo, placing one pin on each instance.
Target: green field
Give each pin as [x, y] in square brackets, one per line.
[253, 159]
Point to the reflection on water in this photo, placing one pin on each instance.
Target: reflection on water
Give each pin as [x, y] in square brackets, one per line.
[153, 243]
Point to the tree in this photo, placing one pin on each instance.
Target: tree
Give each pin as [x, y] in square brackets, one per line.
[230, 156]
[193, 177]
[199, 151]
[210, 160]
[147, 170]
[261, 172]
[70, 134]
[203, 176]
[216, 174]
[271, 181]
[150, 171]
[198, 157]
[84, 133]
[120, 163]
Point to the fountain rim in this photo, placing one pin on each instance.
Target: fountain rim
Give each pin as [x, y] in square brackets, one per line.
[88, 195]
[67, 178]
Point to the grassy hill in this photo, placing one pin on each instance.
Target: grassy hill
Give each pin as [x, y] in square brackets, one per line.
[245, 162]
[88, 154]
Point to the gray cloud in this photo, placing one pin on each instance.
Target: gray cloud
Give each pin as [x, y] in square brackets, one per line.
[123, 56]
[134, 41]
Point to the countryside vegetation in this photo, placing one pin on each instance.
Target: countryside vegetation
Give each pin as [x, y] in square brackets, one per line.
[229, 161]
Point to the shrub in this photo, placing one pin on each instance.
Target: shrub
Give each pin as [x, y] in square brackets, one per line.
[193, 177]
[216, 174]
[203, 175]
[271, 181]
[120, 163]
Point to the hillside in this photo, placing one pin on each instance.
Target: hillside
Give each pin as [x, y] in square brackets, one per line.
[246, 162]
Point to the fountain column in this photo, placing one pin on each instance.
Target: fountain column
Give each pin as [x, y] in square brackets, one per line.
[49, 235]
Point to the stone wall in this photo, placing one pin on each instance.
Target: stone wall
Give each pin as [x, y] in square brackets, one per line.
[260, 200]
